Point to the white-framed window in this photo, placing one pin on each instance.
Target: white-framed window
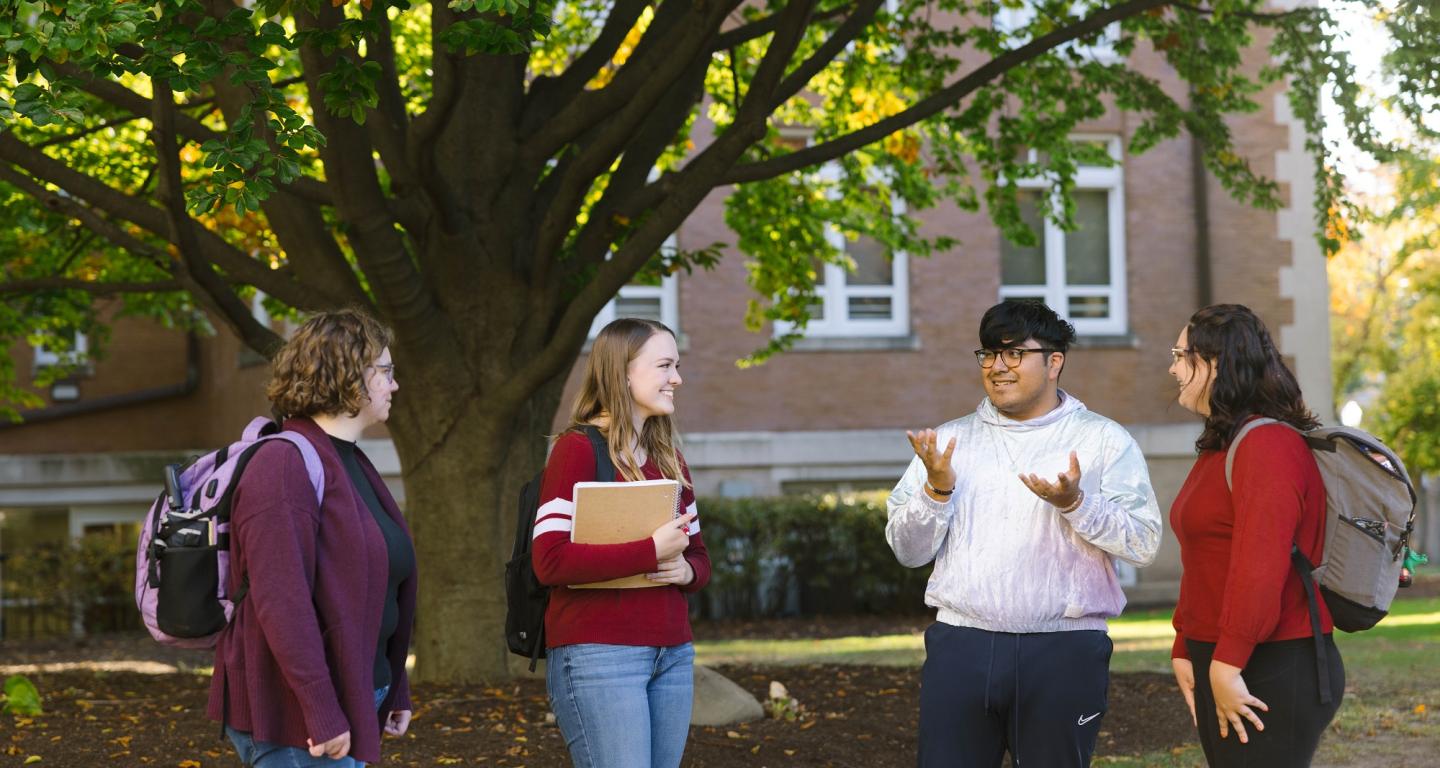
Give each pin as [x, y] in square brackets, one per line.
[1012, 19]
[45, 358]
[874, 300]
[1079, 274]
[658, 301]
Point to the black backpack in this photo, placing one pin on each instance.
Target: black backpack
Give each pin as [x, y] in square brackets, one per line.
[525, 597]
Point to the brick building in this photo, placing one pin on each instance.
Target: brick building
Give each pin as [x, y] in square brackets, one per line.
[1158, 239]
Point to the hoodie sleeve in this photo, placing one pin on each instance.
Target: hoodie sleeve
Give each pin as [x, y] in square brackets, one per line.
[917, 524]
[1123, 518]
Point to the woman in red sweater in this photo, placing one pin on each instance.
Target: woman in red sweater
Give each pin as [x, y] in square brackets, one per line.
[619, 663]
[1243, 646]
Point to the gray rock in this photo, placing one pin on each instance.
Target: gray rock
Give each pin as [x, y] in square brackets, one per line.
[719, 701]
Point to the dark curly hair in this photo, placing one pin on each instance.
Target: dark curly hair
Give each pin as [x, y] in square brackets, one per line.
[1014, 320]
[322, 368]
[1250, 377]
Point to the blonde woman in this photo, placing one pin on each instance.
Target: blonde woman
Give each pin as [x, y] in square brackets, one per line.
[620, 661]
[312, 668]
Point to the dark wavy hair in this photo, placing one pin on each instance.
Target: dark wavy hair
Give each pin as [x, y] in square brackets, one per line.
[1013, 321]
[1250, 377]
[322, 368]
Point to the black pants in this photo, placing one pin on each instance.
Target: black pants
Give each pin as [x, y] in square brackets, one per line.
[1284, 676]
[1040, 697]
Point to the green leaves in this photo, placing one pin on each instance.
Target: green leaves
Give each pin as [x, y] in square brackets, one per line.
[474, 36]
[350, 89]
[21, 697]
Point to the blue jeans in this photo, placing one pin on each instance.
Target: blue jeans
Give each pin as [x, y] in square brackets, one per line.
[263, 754]
[622, 706]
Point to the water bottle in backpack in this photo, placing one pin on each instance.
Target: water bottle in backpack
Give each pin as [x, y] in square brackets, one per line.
[182, 561]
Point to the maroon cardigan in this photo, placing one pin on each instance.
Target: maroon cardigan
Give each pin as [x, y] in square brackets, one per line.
[297, 661]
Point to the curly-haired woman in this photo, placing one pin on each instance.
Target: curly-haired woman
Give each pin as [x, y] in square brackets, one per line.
[312, 667]
[1244, 656]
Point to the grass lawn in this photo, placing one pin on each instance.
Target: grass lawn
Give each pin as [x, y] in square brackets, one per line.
[1392, 691]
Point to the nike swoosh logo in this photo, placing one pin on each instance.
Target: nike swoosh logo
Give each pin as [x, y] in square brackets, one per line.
[1084, 720]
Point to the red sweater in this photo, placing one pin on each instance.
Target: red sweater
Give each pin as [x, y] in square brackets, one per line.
[657, 616]
[1239, 588]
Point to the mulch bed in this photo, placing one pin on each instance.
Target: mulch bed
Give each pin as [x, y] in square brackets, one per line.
[852, 716]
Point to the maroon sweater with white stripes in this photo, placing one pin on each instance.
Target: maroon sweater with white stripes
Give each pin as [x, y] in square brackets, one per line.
[1238, 587]
[655, 616]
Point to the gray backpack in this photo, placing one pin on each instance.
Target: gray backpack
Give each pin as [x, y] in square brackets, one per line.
[1369, 515]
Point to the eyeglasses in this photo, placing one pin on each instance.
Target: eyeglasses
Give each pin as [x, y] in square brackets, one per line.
[388, 370]
[1176, 353]
[1012, 355]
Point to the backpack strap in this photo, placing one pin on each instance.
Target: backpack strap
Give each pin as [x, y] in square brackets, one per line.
[313, 467]
[257, 428]
[604, 468]
[1322, 668]
[1230, 453]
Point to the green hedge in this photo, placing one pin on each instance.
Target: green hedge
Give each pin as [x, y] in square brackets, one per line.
[803, 554]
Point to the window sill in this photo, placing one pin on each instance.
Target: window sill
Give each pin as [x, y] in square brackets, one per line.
[1107, 341]
[907, 343]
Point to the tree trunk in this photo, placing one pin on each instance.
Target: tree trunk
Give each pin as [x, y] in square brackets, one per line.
[460, 499]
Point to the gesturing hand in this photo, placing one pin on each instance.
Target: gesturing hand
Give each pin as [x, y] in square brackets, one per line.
[1233, 702]
[941, 474]
[1064, 492]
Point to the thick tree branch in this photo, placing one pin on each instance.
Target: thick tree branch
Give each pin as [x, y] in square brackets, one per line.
[599, 150]
[208, 286]
[237, 264]
[359, 199]
[759, 28]
[389, 122]
[94, 129]
[760, 99]
[827, 52]
[936, 102]
[90, 286]
[70, 207]
[444, 95]
[189, 127]
[610, 275]
[547, 95]
[679, 32]
[309, 242]
[638, 158]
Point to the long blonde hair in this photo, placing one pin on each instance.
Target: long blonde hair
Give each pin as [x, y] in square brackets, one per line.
[605, 393]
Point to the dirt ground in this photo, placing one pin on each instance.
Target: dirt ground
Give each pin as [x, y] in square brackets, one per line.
[120, 701]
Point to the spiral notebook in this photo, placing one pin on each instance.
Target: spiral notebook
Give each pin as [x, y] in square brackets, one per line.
[614, 513]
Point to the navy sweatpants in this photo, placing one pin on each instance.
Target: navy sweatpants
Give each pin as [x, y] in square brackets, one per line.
[1040, 697]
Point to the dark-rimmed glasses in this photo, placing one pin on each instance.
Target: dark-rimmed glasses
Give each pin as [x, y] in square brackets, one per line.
[1012, 355]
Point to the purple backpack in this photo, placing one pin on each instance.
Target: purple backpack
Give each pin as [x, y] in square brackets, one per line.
[182, 562]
